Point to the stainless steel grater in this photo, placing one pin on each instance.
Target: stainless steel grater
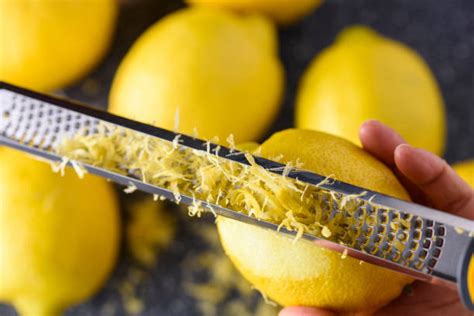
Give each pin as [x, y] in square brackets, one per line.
[436, 247]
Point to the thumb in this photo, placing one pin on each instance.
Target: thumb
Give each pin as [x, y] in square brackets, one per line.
[440, 183]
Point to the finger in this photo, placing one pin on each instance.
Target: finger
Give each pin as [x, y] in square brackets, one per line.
[380, 140]
[446, 190]
[305, 311]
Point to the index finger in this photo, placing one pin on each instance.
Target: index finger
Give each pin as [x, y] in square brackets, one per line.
[441, 184]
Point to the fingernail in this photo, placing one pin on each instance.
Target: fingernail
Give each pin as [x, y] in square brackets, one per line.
[371, 121]
[365, 127]
[416, 161]
[404, 149]
[407, 150]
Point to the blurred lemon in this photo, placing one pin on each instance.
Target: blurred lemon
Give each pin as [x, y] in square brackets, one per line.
[59, 236]
[282, 11]
[47, 44]
[204, 69]
[366, 76]
[301, 273]
[466, 171]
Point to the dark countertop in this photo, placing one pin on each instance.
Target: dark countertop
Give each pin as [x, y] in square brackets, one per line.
[441, 31]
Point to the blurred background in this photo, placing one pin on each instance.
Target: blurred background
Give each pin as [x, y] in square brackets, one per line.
[442, 32]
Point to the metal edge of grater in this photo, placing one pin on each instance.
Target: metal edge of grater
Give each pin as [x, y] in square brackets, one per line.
[35, 123]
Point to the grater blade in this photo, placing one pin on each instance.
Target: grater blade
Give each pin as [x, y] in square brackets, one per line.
[428, 248]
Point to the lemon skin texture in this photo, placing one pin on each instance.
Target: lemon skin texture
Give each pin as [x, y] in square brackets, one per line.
[59, 236]
[47, 44]
[204, 70]
[301, 273]
[466, 170]
[282, 11]
[364, 75]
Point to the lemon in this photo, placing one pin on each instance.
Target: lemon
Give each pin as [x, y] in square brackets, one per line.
[46, 44]
[466, 171]
[282, 11]
[364, 75]
[59, 236]
[302, 273]
[204, 69]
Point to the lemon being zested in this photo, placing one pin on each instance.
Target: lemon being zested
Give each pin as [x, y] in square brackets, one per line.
[364, 75]
[203, 69]
[47, 44]
[301, 273]
[59, 236]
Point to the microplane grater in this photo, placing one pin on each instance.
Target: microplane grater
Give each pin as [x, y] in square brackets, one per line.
[437, 246]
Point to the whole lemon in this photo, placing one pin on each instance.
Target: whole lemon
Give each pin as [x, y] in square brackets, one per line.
[301, 273]
[204, 69]
[47, 44]
[59, 236]
[466, 170]
[282, 11]
[364, 75]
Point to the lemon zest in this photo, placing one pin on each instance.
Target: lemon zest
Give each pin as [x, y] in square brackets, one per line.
[249, 189]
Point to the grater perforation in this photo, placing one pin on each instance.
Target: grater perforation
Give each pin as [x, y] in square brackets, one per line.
[38, 124]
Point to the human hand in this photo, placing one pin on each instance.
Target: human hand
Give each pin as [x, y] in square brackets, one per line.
[430, 181]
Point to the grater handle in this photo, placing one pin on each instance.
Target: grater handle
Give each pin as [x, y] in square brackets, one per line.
[466, 276]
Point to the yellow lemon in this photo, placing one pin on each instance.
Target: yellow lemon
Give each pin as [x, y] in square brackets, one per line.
[204, 69]
[302, 273]
[59, 236]
[46, 44]
[282, 11]
[364, 75]
[466, 171]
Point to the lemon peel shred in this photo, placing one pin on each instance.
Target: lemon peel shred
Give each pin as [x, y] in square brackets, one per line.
[344, 254]
[79, 169]
[60, 166]
[326, 232]
[230, 140]
[132, 304]
[265, 298]
[459, 230]
[130, 188]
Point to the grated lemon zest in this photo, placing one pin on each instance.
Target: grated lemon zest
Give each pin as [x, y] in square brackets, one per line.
[459, 230]
[211, 279]
[79, 169]
[344, 254]
[230, 140]
[326, 232]
[265, 297]
[60, 166]
[130, 188]
[176, 120]
[205, 176]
